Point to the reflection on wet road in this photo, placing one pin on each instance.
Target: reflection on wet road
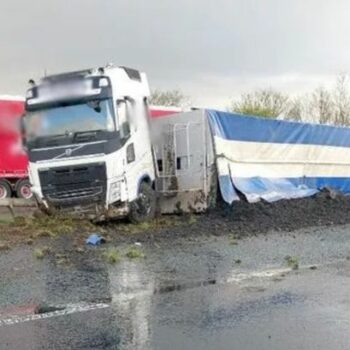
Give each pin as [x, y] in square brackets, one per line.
[189, 296]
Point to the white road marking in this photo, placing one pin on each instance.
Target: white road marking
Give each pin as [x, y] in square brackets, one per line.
[239, 277]
[69, 309]
[123, 297]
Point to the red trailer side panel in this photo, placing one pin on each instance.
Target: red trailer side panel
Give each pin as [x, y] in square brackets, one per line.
[162, 111]
[13, 160]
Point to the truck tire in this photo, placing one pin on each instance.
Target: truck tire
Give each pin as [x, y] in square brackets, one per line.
[23, 189]
[5, 189]
[143, 209]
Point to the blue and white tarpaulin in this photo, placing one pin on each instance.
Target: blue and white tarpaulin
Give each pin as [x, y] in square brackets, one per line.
[274, 159]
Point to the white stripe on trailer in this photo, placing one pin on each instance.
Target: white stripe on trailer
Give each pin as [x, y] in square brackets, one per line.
[276, 160]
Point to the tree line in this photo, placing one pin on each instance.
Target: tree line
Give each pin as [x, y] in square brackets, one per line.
[323, 105]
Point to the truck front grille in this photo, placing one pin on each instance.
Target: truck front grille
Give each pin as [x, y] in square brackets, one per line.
[75, 185]
[79, 193]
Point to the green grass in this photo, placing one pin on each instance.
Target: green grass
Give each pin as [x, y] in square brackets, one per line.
[192, 220]
[20, 221]
[292, 262]
[135, 253]
[51, 226]
[6, 221]
[233, 239]
[154, 225]
[112, 256]
[40, 253]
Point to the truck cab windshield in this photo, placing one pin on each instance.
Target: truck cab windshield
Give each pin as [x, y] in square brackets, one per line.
[94, 115]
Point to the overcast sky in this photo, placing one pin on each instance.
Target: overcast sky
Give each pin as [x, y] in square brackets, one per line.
[212, 50]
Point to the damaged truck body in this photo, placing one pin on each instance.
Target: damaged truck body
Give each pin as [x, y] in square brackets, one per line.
[95, 151]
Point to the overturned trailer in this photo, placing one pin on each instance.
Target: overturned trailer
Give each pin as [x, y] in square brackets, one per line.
[246, 157]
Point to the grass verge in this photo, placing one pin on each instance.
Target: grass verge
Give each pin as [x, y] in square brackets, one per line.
[112, 256]
[135, 253]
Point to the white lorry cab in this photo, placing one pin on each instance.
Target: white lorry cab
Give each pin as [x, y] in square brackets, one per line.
[88, 141]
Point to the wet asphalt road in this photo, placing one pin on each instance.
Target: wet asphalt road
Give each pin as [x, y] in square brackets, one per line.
[192, 294]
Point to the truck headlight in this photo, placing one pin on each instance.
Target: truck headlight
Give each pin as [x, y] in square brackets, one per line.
[114, 191]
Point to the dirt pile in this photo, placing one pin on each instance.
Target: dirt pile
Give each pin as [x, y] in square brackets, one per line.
[244, 219]
[320, 210]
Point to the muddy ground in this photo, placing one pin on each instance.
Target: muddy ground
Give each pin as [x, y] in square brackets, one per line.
[237, 221]
[245, 219]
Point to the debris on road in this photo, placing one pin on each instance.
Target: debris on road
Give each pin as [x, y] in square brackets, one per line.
[95, 240]
[292, 262]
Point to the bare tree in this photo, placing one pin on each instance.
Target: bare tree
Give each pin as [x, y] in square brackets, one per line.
[296, 109]
[321, 106]
[169, 98]
[265, 103]
[342, 100]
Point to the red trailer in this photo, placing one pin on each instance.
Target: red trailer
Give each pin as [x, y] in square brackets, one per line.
[13, 160]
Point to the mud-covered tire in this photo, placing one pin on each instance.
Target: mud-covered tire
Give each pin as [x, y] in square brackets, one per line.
[143, 209]
[5, 189]
[23, 189]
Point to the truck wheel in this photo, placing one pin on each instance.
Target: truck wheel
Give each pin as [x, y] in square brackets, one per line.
[5, 189]
[23, 189]
[144, 207]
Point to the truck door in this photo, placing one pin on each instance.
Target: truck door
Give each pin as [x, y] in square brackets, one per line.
[138, 161]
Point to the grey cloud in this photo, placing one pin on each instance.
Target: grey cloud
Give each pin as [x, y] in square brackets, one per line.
[228, 44]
